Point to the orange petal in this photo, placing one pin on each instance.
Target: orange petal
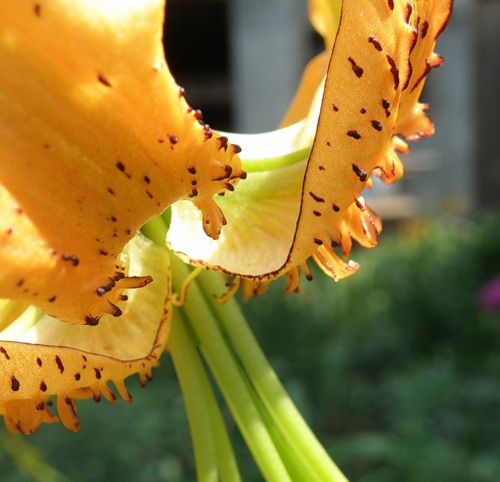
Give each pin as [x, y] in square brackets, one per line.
[95, 139]
[44, 356]
[281, 217]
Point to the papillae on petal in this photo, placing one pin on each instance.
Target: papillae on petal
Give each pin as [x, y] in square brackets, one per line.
[41, 356]
[95, 139]
[377, 68]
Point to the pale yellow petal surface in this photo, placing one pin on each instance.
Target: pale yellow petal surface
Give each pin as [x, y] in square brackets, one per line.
[95, 139]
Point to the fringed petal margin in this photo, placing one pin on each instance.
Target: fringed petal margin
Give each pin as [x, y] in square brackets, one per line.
[95, 139]
[375, 75]
[41, 356]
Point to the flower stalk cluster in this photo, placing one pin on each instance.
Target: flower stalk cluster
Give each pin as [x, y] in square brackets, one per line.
[206, 333]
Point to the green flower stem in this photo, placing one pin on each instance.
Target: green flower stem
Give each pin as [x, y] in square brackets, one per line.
[274, 396]
[212, 448]
[281, 442]
[228, 376]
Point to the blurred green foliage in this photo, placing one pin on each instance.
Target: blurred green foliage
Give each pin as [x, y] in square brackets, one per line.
[396, 369]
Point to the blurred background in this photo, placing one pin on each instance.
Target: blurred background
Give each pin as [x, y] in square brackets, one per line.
[397, 368]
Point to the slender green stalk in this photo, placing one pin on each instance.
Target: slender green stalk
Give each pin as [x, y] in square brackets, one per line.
[274, 396]
[190, 376]
[213, 451]
[228, 376]
[281, 442]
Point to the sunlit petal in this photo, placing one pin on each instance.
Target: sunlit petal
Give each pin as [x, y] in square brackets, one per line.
[95, 139]
[368, 101]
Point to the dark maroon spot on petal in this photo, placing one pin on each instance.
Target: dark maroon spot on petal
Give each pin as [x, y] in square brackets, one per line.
[147, 180]
[316, 198]
[71, 258]
[77, 376]
[111, 191]
[222, 141]
[354, 134]
[335, 108]
[98, 373]
[39, 361]
[385, 105]
[148, 193]
[426, 71]
[14, 384]
[228, 170]
[91, 320]
[52, 299]
[361, 173]
[236, 148]
[318, 241]
[391, 4]
[43, 386]
[425, 28]
[121, 167]
[335, 208]
[328, 143]
[102, 290]
[192, 170]
[9, 231]
[394, 70]
[377, 125]
[115, 311]
[103, 80]
[317, 213]
[59, 364]
[360, 205]
[208, 133]
[322, 168]
[375, 43]
[355, 67]
[173, 139]
[198, 115]
[37, 8]
[20, 283]
[362, 110]
[408, 11]
[3, 351]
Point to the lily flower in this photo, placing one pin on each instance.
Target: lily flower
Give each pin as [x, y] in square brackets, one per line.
[98, 142]
[96, 139]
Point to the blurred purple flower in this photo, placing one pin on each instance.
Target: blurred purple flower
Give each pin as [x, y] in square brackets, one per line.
[489, 294]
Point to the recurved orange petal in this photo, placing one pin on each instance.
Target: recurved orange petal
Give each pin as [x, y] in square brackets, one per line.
[41, 356]
[95, 139]
[315, 208]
